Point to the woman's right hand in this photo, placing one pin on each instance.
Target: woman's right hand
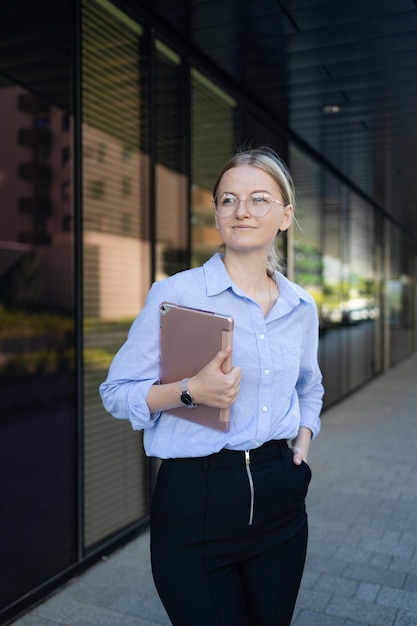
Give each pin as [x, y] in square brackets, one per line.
[212, 387]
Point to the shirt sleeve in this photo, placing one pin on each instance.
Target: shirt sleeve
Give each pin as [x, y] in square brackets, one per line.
[135, 367]
[309, 386]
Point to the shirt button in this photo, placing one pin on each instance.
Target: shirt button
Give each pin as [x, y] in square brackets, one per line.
[264, 408]
[267, 372]
[261, 336]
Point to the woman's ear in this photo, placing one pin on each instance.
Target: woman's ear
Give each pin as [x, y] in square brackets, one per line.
[287, 217]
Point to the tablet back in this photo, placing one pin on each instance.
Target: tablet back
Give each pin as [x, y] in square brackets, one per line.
[189, 339]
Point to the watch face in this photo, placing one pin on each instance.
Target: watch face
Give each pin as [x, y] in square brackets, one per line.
[186, 398]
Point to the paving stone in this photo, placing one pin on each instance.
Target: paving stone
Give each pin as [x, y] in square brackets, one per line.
[309, 618]
[400, 598]
[411, 583]
[367, 592]
[379, 576]
[366, 612]
[358, 556]
[381, 561]
[362, 531]
[404, 564]
[71, 613]
[33, 620]
[137, 604]
[330, 565]
[386, 547]
[351, 622]
[336, 585]
[405, 618]
[313, 600]
[410, 538]
[309, 579]
[392, 536]
[99, 592]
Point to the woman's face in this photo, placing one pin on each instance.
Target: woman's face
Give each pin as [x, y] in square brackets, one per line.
[241, 230]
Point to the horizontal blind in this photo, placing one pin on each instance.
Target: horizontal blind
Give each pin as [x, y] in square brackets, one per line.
[212, 129]
[212, 141]
[171, 180]
[115, 259]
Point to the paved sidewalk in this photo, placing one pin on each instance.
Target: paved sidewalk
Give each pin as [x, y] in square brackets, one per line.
[362, 561]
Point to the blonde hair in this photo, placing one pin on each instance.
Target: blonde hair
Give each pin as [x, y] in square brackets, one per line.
[266, 159]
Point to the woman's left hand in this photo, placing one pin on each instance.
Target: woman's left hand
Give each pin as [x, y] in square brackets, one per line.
[300, 445]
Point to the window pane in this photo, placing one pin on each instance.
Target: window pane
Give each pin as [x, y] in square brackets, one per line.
[308, 254]
[361, 310]
[38, 534]
[116, 254]
[400, 295]
[333, 340]
[171, 188]
[212, 129]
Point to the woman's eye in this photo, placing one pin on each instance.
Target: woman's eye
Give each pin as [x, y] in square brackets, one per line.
[259, 199]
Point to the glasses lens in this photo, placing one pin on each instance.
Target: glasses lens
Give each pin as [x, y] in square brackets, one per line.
[259, 204]
[226, 204]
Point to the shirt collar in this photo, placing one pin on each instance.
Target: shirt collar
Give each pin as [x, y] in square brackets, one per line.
[218, 280]
[217, 277]
[290, 291]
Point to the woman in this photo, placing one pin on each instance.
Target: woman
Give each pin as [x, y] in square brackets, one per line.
[228, 520]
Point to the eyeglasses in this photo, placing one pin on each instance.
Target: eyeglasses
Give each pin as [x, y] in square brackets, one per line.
[258, 204]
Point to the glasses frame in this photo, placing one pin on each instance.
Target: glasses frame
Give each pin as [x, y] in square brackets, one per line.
[245, 200]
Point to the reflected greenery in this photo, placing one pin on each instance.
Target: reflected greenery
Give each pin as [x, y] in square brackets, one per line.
[34, 343]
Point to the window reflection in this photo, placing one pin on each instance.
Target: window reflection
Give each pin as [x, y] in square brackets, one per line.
[35, 276]
[334, 259]
[116, 258]
[400, 295]
[37, 407]
[212, 128]
[171, 177]
[307, 229]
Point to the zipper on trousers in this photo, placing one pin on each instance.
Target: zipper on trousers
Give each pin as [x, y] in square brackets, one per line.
[252, 491]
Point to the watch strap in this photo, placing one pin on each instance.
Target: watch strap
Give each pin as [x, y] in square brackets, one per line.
[186, 397]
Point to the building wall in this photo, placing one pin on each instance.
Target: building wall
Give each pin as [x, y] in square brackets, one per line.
[93, 209]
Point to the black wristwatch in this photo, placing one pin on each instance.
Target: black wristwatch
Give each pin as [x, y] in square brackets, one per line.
[186, 397]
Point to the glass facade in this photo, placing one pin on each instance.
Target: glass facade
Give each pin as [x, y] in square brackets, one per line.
[400, 295]
[111, 142]
[38, 428]
[115, 255]
[212, 136]
[171, 158]
[337, 259]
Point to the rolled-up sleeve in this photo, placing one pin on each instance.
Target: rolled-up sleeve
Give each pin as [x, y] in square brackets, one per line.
[135, 368]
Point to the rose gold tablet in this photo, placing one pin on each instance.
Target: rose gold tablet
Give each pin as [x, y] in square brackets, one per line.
[190, 338]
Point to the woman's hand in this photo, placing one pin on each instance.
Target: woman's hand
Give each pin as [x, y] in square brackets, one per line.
[300, 445]
[212, 387]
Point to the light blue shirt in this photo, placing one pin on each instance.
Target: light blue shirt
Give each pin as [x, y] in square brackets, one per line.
[281, 386]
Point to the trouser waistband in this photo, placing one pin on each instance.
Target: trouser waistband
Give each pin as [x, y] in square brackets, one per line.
[277, 448]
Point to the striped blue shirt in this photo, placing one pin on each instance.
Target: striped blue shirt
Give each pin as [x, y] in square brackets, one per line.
[281, 387]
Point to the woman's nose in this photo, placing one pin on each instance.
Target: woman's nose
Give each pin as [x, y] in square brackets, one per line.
[242, 208]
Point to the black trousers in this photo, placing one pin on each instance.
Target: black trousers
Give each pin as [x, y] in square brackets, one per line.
[229, 537]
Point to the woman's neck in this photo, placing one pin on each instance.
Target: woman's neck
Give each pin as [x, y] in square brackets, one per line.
[249, 273]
